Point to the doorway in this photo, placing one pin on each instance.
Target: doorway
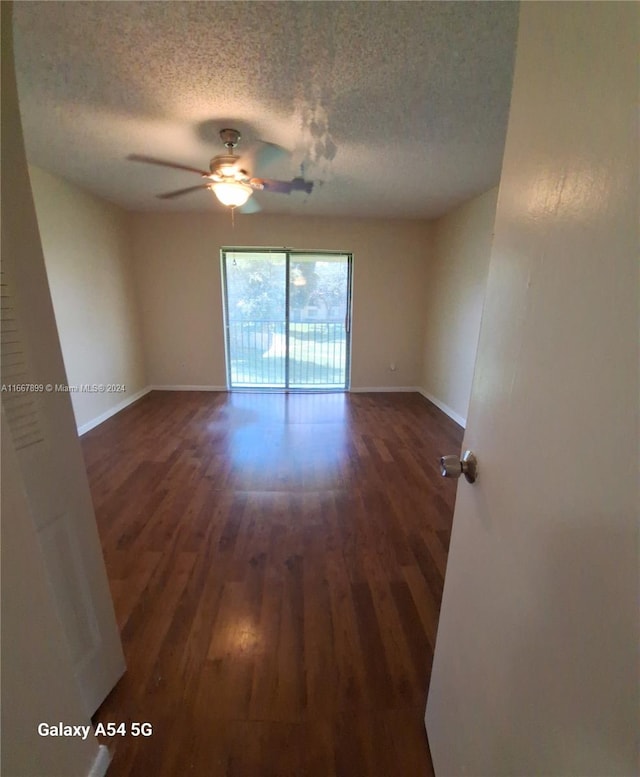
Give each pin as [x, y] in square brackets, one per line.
[287, 319]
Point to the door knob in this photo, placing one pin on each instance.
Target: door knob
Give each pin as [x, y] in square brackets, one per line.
[453, 467]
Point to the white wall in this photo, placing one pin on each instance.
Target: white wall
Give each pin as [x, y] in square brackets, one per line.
[87, 252]
[177, 260]
[453, 302]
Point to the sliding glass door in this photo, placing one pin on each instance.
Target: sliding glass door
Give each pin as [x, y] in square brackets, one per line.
[287, 318]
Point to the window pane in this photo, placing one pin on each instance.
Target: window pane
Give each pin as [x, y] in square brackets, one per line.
[256, 305]
[318, 296]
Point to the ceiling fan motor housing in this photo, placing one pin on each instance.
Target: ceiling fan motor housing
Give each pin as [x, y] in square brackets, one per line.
[224, 166]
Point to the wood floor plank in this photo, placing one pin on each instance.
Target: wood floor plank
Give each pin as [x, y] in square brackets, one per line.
[400, 645]
[277, 564]
[424, 602]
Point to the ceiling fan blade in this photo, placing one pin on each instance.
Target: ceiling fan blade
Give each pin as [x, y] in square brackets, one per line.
[286, 187]
[180, 192]
[278, 187]
[250, 206]
[300, 185]
[163, 163]
[266, 154]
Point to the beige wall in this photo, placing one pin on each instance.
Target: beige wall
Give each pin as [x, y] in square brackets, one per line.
[86, 245]
[177, 260]
[453, 302]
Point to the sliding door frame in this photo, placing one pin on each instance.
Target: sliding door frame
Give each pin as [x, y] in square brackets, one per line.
[288, 252]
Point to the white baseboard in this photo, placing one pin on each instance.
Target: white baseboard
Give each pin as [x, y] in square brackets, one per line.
[379, 389]
[445, 408]
[84, 428]
[101, 762]
[187, 388]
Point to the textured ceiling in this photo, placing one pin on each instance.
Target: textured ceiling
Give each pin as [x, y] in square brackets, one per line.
[395, 109]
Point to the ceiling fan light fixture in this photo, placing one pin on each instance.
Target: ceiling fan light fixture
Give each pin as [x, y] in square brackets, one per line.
[233, 194]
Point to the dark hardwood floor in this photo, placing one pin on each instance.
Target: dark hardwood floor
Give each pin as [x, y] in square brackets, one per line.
[277, 565]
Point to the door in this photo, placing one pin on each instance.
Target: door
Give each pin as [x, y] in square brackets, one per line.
[535, 668]
[43, 432]
[287, 319]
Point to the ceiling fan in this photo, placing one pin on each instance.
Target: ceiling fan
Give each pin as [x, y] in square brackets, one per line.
[227, 177]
